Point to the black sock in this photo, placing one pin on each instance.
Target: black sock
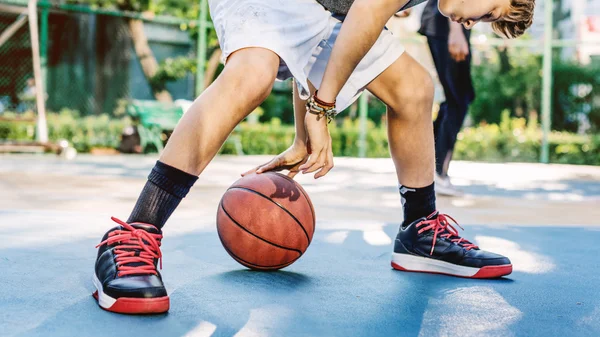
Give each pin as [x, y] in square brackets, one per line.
[417, 202]
[165, 188]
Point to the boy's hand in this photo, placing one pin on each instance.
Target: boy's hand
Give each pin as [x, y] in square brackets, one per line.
[290, 160]
[321, 155]
[457, 43]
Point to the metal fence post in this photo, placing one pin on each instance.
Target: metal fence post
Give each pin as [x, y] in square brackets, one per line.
[44, 45]
[547, 80]
[363, 111]
[42, 127]
[201, 57]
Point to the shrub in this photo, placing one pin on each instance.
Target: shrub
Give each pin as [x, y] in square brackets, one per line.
[84, 133]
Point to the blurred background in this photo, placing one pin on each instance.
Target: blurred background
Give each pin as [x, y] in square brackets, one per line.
[116, 76]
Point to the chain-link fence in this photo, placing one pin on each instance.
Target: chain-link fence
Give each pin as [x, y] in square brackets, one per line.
[93, 61]
[17, 86]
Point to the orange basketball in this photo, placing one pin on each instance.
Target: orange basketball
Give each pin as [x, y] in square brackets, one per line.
[265, 221]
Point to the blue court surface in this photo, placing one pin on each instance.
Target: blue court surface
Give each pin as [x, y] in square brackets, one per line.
[546, 219]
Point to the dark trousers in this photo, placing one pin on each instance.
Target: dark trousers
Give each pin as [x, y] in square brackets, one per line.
[458, 89]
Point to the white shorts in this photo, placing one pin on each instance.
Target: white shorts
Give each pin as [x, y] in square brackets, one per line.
[303, 34]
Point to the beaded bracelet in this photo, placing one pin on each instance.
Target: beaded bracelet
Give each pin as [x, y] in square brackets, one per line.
[320, 108]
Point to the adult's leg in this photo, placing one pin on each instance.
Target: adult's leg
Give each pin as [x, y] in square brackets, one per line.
[442, 61]
[455, 78]
[461, 78]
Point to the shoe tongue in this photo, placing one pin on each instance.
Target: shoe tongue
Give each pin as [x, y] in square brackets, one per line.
[146, 227]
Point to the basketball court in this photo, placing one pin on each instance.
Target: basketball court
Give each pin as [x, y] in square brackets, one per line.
[545, 218]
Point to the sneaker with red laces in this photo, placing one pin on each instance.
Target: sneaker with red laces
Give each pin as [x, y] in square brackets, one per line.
[126, 277]
[432, 245]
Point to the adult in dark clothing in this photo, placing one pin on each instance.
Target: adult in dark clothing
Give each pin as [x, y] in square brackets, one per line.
[451, 51]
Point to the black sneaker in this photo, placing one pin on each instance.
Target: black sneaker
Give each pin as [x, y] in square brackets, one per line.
[126, 278]
[432, 245]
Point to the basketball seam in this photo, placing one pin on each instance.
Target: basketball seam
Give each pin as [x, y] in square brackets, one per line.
[312, 209]
[283, 265]
[279, 205]
[256, 236]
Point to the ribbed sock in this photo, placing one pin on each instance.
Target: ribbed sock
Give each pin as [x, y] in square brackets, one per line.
[417, 202]
[164, 190]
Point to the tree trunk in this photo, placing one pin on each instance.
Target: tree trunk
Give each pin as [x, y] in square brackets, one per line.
[212, 66]
[146, 57]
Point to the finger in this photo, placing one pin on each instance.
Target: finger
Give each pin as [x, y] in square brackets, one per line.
[273, 165]
[328, 166]
[292, 174]
[311, 161]
[320, 162]
[294, 170]
[250, 171]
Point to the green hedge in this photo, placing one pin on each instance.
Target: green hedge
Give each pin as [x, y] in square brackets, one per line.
[84, 133]
[273, 138]
[513, 139]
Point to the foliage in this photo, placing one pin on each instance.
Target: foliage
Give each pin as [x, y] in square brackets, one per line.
[516, 140]
[279, 105]
[517, 88]
[83, 133]
[576, 90]
[172, 69]
[273, 138]
[512, 140]
[575, 93]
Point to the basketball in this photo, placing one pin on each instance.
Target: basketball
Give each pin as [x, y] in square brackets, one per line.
[265, 221]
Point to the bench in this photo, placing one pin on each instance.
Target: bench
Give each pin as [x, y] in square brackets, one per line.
[158, 119]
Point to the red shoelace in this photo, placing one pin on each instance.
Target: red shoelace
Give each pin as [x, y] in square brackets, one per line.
[135, 246]
[442, 227]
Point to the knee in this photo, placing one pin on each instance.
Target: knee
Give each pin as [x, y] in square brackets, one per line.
[414, 100]
[254, 73]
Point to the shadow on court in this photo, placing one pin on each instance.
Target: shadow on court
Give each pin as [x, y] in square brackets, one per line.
[342, 287]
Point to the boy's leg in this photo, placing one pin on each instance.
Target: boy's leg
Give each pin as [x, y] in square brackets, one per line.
[126, 277]
[407, 90]
[243, 85]
[245, 82]
[426, 241]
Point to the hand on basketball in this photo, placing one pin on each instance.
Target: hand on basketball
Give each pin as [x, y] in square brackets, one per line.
[321, 155]
[290, 160]
[457, 44]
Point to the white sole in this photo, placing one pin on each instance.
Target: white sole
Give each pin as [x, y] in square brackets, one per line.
[429, 265]
[104, 300]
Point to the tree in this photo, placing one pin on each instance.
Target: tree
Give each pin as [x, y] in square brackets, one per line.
[158, 74]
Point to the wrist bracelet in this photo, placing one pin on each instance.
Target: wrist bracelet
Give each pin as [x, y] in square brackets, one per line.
[320, 108]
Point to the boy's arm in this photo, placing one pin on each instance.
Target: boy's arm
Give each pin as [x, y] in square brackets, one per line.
[299, 114]
[361, 28]
[295, 155]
